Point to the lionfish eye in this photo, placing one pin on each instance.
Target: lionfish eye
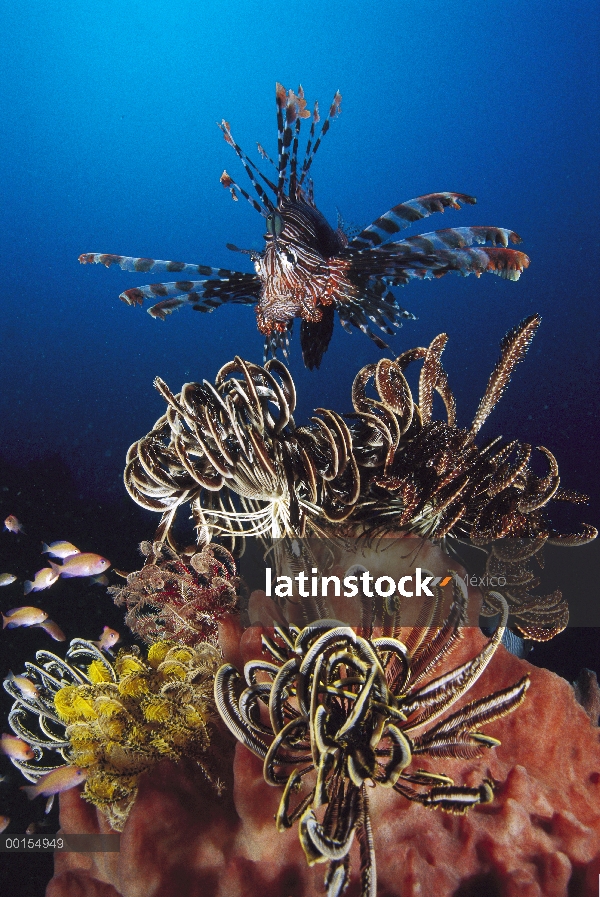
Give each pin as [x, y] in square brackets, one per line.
[274, 224]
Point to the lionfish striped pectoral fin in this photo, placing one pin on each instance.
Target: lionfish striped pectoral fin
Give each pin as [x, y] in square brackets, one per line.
[143, 265]
[376, 304]
[435, 254]
[506, 263]
[220, 286]
[405, 214]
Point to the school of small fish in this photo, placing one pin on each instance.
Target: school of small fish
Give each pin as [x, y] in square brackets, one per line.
[73, 563]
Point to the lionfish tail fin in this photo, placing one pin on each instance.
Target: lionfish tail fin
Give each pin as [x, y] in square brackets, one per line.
[315, 338]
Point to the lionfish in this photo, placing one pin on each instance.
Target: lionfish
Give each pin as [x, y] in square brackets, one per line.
[308, 269]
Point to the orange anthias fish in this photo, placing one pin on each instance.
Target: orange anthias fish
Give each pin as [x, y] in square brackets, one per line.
[53, 629]
[59, 549]
[25, 685]
[60, 779]
[23, 616]
[4, 822]
[12, 524]
[108, 638]
[82, 564]
[16, 748]
[6, 579]
[43, 579]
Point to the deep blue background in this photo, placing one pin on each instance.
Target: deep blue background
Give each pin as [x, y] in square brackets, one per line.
[108, 143]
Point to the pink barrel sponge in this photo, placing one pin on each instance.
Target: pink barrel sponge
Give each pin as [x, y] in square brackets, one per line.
[540, 837]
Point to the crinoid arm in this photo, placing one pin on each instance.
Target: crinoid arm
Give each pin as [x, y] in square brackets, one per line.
[512, 349]
[340, 716]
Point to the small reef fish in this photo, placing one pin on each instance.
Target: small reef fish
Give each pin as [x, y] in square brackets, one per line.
[7, 578]
[53, 630]
[16, 748]
[25, 685]
[43, 579]
[4, 823]
[59, 549]
[60, 779]
[23, 616]
[12, 524]
[108, 638]
[82, 564]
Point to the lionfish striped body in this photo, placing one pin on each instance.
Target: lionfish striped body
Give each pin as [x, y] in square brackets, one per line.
[307, 269]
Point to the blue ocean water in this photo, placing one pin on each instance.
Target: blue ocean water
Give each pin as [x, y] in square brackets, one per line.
[108, 144]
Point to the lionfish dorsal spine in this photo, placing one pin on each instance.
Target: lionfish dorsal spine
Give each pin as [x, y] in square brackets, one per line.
[294, 156]
[334, 111]
[248, 167]
[288, 130]
[234, 188]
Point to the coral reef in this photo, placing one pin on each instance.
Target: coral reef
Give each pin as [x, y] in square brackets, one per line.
[540, 836]
[381, 746]
[233, 452]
